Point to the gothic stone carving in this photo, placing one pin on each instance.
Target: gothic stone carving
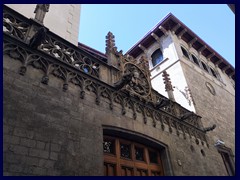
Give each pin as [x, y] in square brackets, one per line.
[14, 26]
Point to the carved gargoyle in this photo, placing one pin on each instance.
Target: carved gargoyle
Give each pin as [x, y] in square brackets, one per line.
[210, 128]
[186, 116]
[163, 103]
[38, 38]
[126, 78]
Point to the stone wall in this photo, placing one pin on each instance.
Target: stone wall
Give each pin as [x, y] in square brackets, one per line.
[216, 109]
[47, 131]
[51, 132]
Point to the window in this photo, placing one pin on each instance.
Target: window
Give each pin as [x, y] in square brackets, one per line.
[213, 73]
[109, 146]
[227, 157]
[195, 60]
[157, 57]
[204, 66]
[185, 53]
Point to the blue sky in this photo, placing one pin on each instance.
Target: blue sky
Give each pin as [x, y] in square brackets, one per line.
[214, 23]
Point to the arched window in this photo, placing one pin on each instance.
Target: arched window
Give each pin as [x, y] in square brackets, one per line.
[195, 60]
[157, 57]
[185, 53]
[204, 66]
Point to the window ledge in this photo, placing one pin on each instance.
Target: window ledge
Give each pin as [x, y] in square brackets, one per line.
[157, 66]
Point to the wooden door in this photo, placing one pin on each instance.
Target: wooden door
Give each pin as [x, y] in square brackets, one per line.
[127, 158]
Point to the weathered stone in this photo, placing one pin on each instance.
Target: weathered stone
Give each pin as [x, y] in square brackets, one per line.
[49, 164]
[40, 145]
[23, 133]
[55, 147]
[53, 156]
[15, 168]
[27, 142]
[38, 153]
[11, 139]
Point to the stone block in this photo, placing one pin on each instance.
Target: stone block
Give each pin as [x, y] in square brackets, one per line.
[12, 158]
[53, 172]
[11, 139]
[7, 129]
[40, 145]
[39, 171]
[55, 147]
[38, 153]
[23, 132]
[27, 142]
[18, 149]
[46, 163]
[54, 156]
[15, 168]
[32, 161]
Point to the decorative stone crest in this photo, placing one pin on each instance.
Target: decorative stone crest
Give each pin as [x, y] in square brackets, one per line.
[133, 75]
[139, 83]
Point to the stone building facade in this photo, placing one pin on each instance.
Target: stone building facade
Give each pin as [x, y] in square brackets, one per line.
[75, 111]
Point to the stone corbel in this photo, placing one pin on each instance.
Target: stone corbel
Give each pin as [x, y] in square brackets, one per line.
[176, 28]
[192, 41]
[210, 56]
[201, 49]
[225, 68]
[218, 62]
[142, 48]
[181, 33]
[165, 32]
[231, 74]
[155, 37]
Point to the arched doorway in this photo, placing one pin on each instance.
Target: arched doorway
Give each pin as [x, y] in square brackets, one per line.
[128, 158]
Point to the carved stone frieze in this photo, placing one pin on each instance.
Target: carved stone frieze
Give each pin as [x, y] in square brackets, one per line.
[70, 56]
[14, 26]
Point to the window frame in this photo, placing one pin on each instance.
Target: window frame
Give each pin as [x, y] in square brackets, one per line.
[157, 63]
[204, 65]
[185, 49]
[195, 57]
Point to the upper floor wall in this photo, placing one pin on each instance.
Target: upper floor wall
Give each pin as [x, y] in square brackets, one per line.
[203, 65]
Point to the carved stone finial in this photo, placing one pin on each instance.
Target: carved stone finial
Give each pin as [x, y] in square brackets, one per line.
[110, 43]
[40, 12]
[168, 85]
[167, 81]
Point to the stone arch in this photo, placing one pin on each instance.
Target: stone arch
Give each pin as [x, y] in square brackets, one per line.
[143, 139]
